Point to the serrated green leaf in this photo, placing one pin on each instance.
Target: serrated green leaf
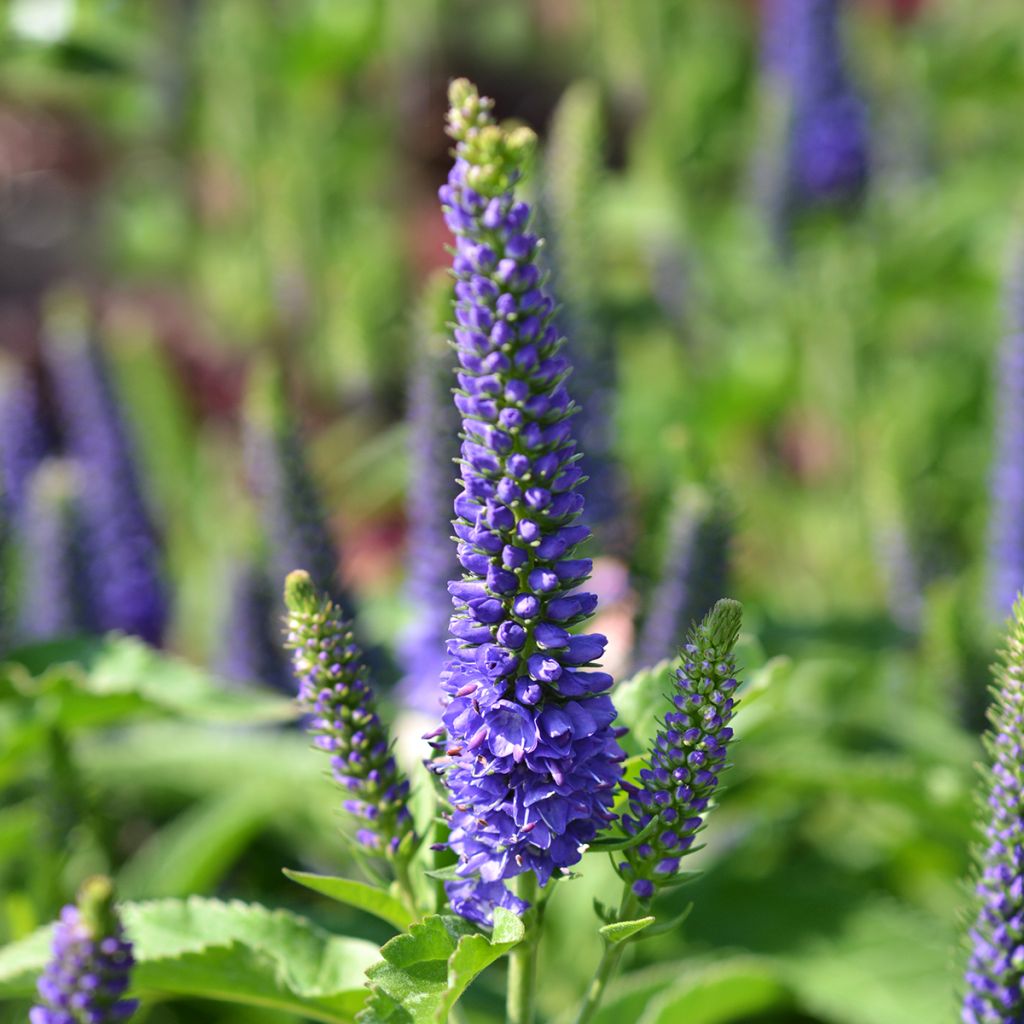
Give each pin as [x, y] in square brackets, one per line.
[619, 931]
[370, 898]
[424, 972]
[232, 952]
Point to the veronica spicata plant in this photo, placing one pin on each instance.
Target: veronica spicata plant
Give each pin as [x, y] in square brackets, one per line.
[994, 983]
[90, 972]
[531, 753]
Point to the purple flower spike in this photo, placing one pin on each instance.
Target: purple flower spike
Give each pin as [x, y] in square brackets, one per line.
[823, 122]
[289, 505]
[688, 756]
[25, 437]
[124, 556]
[249, 650]
[335, 692]
[87, 978]
[994, 990]
[1006, 543]
[54, 579]
[696, 570]
[531, 758]
[433, 450]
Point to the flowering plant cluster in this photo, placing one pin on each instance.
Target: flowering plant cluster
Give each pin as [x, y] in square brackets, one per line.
[527, 770]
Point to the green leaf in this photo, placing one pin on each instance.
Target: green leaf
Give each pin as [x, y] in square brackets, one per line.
[734, 990]
[98, 680]
[619, 931]
[639, 701]
[233, 952]
[424, 972]
[611, 844]
[194, 850]
[370, 898]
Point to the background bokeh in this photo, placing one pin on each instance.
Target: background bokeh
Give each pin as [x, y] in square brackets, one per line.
[229, 184]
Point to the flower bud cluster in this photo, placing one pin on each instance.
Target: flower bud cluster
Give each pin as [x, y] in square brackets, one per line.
[334, 690]
[688, 756]
[90, 971]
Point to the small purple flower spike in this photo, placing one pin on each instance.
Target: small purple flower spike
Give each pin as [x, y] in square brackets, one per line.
[531, 759]
[91, 967]
[688, 756]
[994, 989]
[334, 690]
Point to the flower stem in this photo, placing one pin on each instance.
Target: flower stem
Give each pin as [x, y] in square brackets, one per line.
[522, 961]
[609, 962]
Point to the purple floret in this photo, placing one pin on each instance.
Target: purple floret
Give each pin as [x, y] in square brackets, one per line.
[531, 759]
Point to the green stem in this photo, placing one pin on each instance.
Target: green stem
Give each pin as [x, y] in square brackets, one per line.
[521, 1004]
[609, 962]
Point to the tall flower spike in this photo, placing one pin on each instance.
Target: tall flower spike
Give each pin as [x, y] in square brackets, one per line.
[91, 967]
[695, 575]
[25, 438]
[290, 507]
[532, 756]
[433, 451]
[334, 690]
[822, 121]
[994, 990]
[54, 580]
[124, 556]
[688, 755]
[1006, 532]
[249, 651]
